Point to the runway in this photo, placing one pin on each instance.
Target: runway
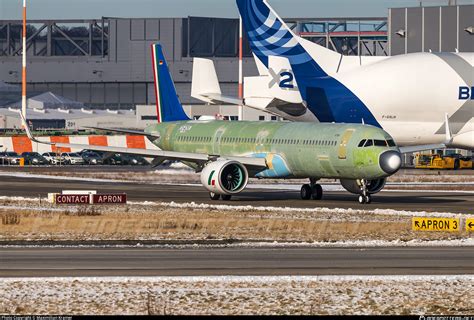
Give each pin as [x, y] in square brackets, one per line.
[456, 202]
[49, 262]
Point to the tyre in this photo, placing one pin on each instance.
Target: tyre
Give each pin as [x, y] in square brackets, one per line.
[368, 199]
[361, 199]
[317, 192]
[457, 164]
[306, 192]
[214, 196]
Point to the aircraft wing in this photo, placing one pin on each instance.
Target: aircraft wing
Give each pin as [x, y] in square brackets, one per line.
[446, 144]
[134, 132]
[412, 149]
[198, 158]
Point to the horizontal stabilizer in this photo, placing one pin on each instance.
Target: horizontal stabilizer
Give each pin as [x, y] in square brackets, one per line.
[221, 99]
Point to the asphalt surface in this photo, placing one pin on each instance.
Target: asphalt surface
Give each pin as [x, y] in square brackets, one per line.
[456, 202]
[45, 262]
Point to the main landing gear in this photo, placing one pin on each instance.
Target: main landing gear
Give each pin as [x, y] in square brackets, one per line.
[311, 191]
[215, 197]
[364, 197]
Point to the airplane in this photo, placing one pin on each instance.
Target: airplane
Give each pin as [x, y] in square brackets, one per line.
[406, 95]
[227, 153]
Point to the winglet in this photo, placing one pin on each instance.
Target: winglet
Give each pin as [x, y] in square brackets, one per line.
[28, 131]
[449, 135]
[27, 128]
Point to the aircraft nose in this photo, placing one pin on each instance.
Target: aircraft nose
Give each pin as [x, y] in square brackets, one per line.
[390, 161]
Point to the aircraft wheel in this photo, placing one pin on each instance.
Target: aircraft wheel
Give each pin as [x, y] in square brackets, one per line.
[317, 192]
[368, 199]
[214, 196]
[361, 199]
[226, 197]
[306, 192]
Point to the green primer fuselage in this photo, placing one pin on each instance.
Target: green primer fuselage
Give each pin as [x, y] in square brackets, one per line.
[291, 150]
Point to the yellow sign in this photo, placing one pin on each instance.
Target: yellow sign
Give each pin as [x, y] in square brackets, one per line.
[436, 224]
[470, 225]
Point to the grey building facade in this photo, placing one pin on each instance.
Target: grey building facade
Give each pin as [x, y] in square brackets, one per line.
[447, 29]
[107, 63]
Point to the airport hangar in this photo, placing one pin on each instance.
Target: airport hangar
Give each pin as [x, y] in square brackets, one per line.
[105, 64]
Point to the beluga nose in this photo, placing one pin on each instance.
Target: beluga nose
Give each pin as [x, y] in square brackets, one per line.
[390, 161]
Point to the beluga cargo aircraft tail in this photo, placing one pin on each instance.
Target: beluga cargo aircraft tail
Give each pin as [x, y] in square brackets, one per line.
[227, 154]
[406, 95]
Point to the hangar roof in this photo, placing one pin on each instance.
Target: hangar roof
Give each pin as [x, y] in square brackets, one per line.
[67, 114]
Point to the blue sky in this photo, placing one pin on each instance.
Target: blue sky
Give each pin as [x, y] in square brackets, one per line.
[87, 9]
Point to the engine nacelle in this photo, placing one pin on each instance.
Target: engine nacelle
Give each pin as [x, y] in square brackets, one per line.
[225, 177]
[373, 186]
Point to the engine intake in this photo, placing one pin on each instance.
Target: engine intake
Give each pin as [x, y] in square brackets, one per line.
[373, 186]
[225, 177]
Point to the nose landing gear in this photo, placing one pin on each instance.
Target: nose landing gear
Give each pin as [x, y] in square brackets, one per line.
[311, 191]
[364, 197]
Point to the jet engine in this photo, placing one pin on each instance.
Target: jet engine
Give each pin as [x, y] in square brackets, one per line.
[225, 177]
[373, 186]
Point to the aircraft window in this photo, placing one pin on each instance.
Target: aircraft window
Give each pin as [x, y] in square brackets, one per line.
[380, 143]
[361, 144]
[369, 143]
[391, 143]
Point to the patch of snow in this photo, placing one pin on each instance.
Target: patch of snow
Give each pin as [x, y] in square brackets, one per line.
[392, 212]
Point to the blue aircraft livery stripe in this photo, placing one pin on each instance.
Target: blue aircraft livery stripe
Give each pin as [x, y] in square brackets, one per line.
[327, 98]
[169, 107]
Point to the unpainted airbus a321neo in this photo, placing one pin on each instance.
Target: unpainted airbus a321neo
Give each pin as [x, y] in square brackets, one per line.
[227, 153]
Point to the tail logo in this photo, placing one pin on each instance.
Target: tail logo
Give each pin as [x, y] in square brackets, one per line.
[284, 79]
[268, 35]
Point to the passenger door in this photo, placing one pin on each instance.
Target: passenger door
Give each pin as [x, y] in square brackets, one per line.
[342, 151]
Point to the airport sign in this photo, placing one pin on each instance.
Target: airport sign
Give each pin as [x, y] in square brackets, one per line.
[436, 224]
[470, 225]
[72, 199]
[109, 198]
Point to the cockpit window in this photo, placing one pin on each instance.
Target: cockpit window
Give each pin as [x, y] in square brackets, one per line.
[378, 143]
[361, 144]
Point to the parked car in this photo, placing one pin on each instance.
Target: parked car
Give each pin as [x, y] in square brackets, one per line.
[34, 158]
[138, 160]
[9, 158]
[71, 158]
[91, 157]
[52, 157]
[124, 159]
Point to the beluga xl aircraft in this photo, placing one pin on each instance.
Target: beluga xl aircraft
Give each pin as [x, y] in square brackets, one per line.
[424, 100]
[227, 154]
